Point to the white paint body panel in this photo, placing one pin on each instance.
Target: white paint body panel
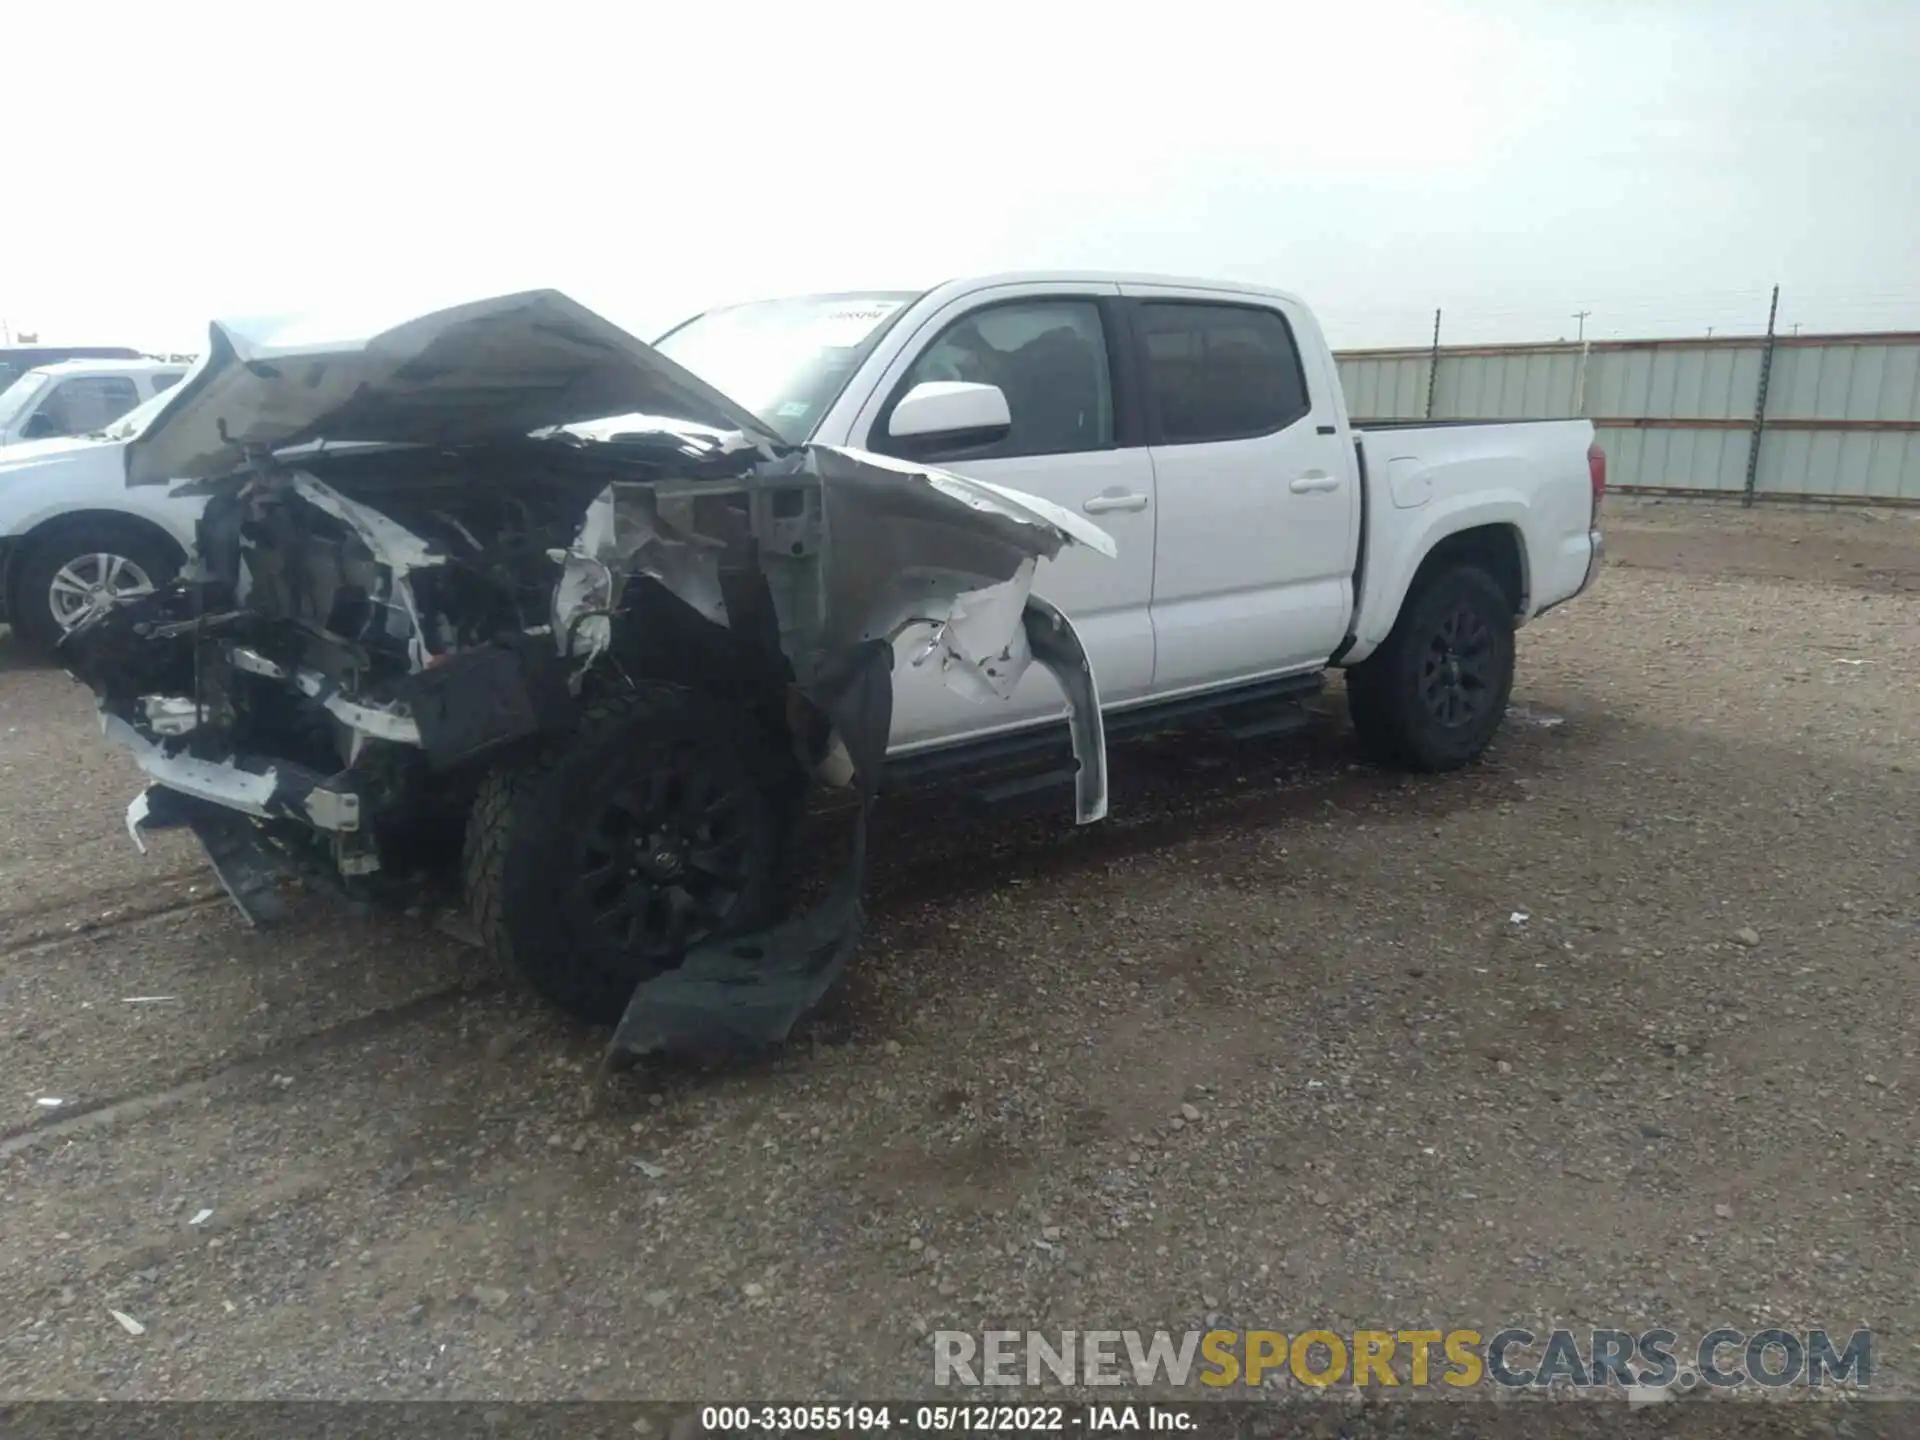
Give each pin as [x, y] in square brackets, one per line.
[1253, 559]
[1229, 573]
[1532, 477]
[1107, 598]
[42, 480]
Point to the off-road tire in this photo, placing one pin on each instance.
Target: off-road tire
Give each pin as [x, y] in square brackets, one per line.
[1388, 693]
[524, 838]
[28, 609]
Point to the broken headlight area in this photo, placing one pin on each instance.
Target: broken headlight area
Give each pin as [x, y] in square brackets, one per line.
[592, 674]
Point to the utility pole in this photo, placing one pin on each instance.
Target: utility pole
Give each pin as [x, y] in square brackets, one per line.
[1760, 400]
[1433, 363]
[1580, 374]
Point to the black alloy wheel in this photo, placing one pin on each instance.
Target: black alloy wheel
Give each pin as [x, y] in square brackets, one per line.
[1432, 696]
[661, 822]
[667, 857]
[1454, 673]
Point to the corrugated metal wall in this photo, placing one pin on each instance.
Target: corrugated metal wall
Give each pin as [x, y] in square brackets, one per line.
[1842, 415]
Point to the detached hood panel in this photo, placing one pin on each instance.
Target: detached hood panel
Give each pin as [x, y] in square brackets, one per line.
[486, 370]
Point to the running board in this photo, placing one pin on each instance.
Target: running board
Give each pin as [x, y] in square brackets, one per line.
[1042, 755]
[1268, 720]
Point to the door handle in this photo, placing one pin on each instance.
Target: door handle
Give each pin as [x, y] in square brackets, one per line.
[1315, 481]
[1101, 504]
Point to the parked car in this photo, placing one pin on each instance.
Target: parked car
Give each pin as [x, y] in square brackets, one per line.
[79, 397]
[604, 610]
[16, 360]
[74, 539]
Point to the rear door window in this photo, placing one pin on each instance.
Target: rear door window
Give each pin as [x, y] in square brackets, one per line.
[1220, 372]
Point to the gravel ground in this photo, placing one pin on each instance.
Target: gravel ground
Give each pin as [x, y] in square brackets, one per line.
[1267, 1047]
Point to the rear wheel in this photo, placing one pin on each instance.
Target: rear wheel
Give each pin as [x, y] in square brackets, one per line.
[82, 569]
[660, 823]
[1433, 695]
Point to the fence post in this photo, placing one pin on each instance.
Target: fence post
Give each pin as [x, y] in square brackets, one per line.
[1760, 401]
[1433, 363]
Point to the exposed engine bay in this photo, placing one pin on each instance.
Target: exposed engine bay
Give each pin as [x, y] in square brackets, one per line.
[373, 632]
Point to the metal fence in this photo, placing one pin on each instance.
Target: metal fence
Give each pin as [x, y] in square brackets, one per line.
[1824, 418]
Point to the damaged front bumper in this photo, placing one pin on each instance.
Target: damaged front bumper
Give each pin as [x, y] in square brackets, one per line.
[864, 565]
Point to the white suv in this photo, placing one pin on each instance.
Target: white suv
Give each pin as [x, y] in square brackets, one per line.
[78, 397]
[73, 538]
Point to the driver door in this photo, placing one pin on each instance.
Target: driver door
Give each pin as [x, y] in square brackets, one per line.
[1058, 354]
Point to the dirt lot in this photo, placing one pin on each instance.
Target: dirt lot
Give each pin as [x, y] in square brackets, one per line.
[1681, 1091]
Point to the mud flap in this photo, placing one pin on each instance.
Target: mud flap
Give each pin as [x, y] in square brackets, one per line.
[748, 991]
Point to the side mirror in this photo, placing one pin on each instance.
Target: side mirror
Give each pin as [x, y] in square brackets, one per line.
[39, 426]
[954, 413]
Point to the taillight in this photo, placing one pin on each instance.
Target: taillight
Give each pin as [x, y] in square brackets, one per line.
[1597, 474]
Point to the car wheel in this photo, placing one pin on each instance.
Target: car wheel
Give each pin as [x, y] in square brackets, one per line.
[661, 822]
[1433, 695]
[79, 570]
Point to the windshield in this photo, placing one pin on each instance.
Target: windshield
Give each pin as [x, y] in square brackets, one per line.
[785, 360]
[18, 398]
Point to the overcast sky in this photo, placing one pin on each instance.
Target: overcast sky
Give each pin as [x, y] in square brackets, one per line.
[1660, 162]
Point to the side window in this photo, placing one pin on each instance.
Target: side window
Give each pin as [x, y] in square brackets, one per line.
[1221, 372]
[85, 404]
[166, 380]
[1049, 358]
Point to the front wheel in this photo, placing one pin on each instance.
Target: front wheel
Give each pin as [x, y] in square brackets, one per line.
[1432, 696]
[78, 571]
[661, 822]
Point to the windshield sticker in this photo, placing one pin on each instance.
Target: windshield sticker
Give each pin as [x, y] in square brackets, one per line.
[850, 324]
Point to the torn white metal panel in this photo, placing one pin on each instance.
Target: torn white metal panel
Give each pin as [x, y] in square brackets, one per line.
[137, 811]
[245, 657]
[854, 547]
[623, 535]
[979, 639]
[1056, 645]
[983, 496]
[223, 784]
[392, 544]
[889, 525]
[377, 722]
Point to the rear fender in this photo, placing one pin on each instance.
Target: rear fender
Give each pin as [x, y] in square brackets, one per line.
[1405, 538]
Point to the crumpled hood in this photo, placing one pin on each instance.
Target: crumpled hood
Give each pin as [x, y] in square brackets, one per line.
[490, 369]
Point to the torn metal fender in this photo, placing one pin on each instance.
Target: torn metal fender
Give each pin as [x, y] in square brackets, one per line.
[747, 991]
[751, 990]
[1056, 645]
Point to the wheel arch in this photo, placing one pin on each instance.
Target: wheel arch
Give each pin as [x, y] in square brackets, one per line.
[20, 547]
[1496, 548]
[1496, 544]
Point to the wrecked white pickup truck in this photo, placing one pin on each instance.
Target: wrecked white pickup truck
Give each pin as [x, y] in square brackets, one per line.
[457, 598]
[423, 605]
